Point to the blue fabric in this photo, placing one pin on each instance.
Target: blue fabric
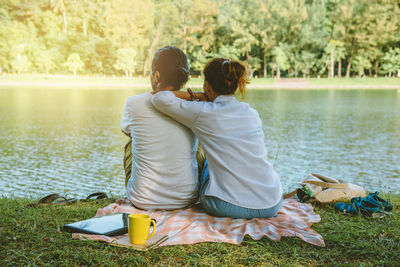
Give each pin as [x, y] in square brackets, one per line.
[220, 208]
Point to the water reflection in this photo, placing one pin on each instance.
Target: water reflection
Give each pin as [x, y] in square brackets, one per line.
[69, 140]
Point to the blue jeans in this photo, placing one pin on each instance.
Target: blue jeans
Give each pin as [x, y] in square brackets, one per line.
[220, 208]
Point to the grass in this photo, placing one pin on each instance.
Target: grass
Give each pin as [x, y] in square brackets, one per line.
[32, 236]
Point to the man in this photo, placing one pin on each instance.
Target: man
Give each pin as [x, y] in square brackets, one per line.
[164, 171]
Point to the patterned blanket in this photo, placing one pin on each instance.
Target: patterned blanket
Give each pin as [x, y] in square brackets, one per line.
[193, 225]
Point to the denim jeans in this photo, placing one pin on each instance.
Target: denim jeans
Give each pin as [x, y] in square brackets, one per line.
[220, 208]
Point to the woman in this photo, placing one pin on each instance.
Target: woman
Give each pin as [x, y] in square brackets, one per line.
[237, 180]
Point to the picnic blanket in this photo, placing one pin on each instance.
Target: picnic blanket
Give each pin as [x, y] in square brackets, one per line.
[193, 225]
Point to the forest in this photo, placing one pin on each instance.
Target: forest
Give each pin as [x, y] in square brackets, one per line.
[288, 38]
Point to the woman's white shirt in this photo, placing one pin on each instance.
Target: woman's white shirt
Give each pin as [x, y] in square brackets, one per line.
[231, 134]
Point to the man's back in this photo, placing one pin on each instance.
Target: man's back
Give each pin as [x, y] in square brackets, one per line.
[164, 168]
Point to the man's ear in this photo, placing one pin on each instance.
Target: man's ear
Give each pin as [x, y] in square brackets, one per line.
[157, 76]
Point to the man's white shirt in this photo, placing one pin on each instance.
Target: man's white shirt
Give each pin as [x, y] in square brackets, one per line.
[164, 167]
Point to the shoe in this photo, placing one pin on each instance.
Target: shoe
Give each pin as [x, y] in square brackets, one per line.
[361, 206]
[53, 199]
[346, 208]
[95, 196]
[365, 206]
[386, 206]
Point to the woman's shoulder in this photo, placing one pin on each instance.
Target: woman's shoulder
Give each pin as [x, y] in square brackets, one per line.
[247, 108]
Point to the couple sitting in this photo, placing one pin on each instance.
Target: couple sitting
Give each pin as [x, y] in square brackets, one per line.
[236, 179]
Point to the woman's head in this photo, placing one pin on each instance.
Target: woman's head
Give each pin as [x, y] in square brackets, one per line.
[226, 76]
[169, 68]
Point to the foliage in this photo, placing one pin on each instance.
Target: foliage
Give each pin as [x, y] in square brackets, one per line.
[290, 38]
[391, 61]
[126, 61]
[74, 63]
[33, 236]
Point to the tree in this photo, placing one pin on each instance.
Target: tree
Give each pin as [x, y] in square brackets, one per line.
[126, 61]
[391, 62]
[351, 28]
[45, 61]
[59, 6]
[307, 62]
[281, 60]
[74, 63]
[266, 34]
[21, 63]
[44, 33]
[166, 21]
[197, 31]
[361, 63]
[340, 54]
[128, 24]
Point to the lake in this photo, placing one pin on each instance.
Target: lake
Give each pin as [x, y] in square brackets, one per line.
[69, 141]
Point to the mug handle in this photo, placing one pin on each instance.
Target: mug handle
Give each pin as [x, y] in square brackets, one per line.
[153, 222]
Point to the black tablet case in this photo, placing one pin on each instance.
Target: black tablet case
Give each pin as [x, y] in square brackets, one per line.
[109, 225]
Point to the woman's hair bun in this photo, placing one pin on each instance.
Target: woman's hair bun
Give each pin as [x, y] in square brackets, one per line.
[225, 76]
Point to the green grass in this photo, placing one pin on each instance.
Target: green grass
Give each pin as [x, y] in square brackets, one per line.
[32, 236]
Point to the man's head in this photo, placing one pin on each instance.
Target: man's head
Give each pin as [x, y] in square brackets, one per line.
[169, 68]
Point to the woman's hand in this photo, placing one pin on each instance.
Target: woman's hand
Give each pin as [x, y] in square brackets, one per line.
[185, 95]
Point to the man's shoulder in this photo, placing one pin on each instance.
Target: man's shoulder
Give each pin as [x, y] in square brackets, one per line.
[139, 98]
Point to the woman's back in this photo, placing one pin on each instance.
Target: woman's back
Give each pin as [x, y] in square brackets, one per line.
[232, 137]
[231, 134]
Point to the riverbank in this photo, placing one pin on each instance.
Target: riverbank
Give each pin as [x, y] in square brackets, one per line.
[32, 236]
[62, 81]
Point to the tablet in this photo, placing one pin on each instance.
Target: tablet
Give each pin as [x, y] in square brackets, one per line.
[109, 225]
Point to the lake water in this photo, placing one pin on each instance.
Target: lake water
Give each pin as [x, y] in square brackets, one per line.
[69, 141]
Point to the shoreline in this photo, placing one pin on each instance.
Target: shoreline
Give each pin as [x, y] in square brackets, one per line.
[66, 81]
[258, 86]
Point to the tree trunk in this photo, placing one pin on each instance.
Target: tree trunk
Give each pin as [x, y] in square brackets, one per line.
[184, 33]
[126, 74]
[265, 66]
[84, 28]
[74, 73]
[304, 74]
[153, 45]
[332, 67]
[348, 68]
[251, 72]
[278, 73]
[376, 68]
[340, 68]
[65, 21]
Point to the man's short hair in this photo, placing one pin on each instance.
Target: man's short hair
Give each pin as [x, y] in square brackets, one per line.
[173, 66]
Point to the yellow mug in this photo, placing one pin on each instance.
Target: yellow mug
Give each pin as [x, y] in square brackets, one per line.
[138, 228]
